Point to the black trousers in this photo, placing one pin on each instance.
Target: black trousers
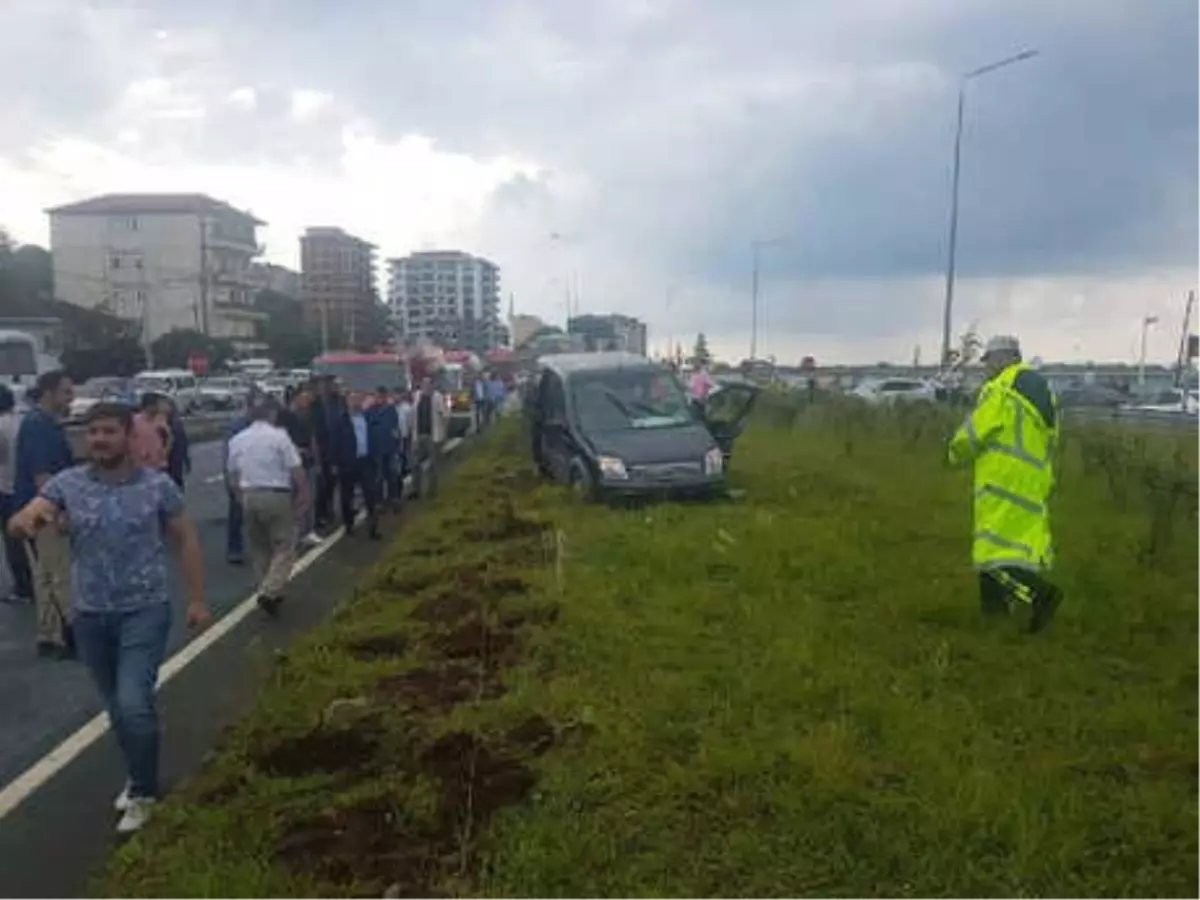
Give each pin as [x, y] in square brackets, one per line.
[327, 482]
[362, 475]
[1000, 586]
[14, 550]
[390, 479]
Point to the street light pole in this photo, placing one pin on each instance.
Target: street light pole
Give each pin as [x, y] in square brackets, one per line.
[755, 250]
[754, 302]
[1147, 321]
[951, 253]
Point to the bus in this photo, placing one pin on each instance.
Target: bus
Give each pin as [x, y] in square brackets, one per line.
[21, 362]
[363, 371]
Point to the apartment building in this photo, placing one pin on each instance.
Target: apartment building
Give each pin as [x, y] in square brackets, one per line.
[447, 297]
[280, 279]
[169, 261]
[338, 286]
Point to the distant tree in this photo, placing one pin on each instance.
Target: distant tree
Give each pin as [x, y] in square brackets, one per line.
[701, 356]
[291, 341]
[172, 350]
[969, 346]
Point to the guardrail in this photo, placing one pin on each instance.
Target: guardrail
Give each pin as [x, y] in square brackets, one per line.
[1132, 416]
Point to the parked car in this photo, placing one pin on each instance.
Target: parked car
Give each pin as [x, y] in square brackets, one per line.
[1093, 396]
[179, 384]
[620, 424]
[886, 391]
[104, 389]
[1174, 400]
[224, 392]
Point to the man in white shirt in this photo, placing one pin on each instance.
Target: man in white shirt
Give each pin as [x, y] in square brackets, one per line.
[429, 431]
[266, 472]
[404, 415]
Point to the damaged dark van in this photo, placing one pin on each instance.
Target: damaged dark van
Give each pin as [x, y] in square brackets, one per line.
[619, 424]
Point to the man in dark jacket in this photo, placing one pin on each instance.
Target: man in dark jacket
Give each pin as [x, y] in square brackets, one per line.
[355, 461]
[179, 456]
[324, 411]
[384, 423]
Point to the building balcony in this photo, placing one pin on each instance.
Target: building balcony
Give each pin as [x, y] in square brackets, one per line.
[237, 310]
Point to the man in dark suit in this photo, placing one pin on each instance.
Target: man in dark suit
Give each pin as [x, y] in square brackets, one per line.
[383, 422]
[356, 462]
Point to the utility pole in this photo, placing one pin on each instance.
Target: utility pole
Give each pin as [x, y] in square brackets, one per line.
[1182, 360]
[144, 292]
[202, 312]
[1147, 321]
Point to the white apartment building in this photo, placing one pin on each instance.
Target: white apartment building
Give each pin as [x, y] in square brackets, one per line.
[170, 261]
[447, 297]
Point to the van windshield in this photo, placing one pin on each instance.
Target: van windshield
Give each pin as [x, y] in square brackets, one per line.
[635, 398]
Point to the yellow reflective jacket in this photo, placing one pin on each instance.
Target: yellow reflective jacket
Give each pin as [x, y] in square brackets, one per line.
[1012, 444]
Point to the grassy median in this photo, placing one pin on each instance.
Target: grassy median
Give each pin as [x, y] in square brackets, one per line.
[788, 693]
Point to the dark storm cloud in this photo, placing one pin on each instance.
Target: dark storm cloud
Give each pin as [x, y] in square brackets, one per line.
[697, 126]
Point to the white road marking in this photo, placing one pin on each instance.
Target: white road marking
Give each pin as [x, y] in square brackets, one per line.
[32, 779]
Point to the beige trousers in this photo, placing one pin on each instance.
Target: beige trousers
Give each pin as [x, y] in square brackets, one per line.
[270, 523]
[51, 564]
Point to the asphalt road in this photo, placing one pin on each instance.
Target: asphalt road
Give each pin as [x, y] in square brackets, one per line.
[53, 840]
[43, 699]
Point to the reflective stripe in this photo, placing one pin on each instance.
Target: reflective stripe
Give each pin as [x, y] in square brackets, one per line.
[972, 435]
[1026, 564]
[1004, 494]
[1017, 453]
[992, 538]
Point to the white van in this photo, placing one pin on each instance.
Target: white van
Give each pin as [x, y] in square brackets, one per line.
[180, 385]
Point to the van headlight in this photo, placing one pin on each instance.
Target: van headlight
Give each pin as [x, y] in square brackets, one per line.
[612, 467]
[714, 461]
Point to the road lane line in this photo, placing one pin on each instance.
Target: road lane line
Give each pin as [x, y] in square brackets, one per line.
[32, 779]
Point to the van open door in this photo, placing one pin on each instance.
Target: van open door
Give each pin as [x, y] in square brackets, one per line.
[725, 412]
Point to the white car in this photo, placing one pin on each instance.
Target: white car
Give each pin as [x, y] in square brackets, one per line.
[179, 384]
[224, 392]
[886, 391]
[104, 389]
[1170, 401]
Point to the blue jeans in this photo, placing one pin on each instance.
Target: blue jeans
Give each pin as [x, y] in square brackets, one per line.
[123, 650]
[235, 541]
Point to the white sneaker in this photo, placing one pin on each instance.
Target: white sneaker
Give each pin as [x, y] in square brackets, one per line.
[137, 813]
[312, 539]
[122, 802]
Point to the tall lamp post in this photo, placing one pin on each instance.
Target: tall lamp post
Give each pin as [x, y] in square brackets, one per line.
[756, 247]
[1147, 321]
[948, 308]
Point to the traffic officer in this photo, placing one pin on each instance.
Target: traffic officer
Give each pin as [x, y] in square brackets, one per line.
[1011, 436]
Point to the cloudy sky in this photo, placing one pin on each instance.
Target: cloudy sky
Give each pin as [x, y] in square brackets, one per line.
[658, 139]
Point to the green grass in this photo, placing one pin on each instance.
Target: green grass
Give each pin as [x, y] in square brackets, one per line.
[790, 693]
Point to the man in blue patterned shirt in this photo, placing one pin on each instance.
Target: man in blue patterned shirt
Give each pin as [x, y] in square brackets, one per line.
[118, 516]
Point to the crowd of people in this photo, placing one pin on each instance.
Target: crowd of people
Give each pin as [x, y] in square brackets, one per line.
[88, 543]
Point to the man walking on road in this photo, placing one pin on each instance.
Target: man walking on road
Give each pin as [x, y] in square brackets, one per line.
[1011, 436]
[42, 452]
[118, 514]
[235, 539]
[14, 548]
[268, 475]
[384, 423]
[355, 459]
[296, 420]
[429, 431]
